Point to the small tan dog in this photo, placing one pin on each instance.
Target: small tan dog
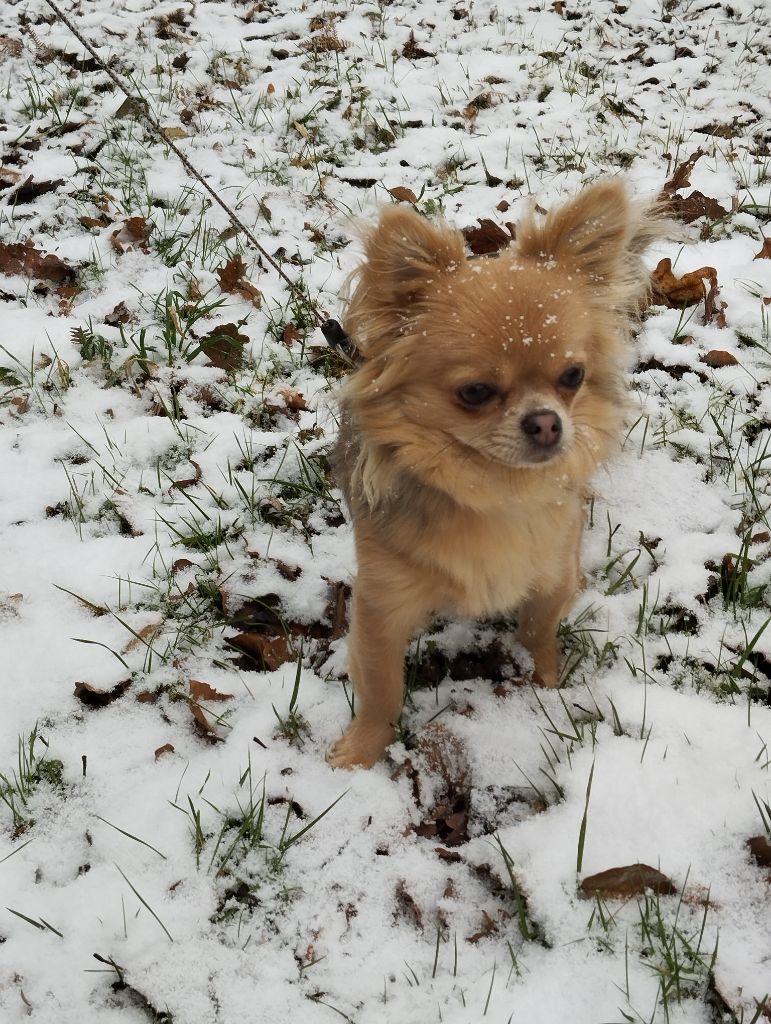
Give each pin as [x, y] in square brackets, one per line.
[490, 390]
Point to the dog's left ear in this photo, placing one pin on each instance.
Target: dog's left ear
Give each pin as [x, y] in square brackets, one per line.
[601, 234]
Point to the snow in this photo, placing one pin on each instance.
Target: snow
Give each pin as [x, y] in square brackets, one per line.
[360, 917]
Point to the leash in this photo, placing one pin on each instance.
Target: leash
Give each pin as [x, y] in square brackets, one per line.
[333, 333]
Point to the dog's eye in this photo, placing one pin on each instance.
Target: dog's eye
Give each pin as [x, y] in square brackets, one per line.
[572, 378]
[474, 396]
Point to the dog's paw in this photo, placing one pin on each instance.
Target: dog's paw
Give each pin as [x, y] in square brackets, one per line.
[361, 746]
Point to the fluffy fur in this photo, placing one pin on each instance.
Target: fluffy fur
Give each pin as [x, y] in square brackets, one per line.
[466, 443]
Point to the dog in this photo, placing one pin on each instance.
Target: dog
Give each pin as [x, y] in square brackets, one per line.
[488, 393]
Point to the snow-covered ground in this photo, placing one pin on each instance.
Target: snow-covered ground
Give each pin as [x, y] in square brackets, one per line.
[154, 507]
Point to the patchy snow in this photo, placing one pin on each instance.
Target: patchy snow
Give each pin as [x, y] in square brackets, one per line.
[153, 505]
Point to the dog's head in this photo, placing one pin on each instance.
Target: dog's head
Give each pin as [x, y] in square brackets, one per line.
[510, 363]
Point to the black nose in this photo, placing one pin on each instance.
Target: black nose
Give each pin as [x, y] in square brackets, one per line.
[544, 427]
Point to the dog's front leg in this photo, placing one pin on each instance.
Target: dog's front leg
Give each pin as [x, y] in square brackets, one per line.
[383, 618]
[542, 611]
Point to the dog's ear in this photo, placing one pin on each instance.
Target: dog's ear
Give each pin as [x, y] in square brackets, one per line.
[601, 234]
[405, 253]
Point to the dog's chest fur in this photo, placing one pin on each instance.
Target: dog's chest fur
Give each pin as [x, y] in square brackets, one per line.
[481, 563]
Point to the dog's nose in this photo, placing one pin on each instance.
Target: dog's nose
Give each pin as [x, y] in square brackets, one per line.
[544, 427]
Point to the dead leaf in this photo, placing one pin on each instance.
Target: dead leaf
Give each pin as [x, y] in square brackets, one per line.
[182, 485]
[8, 177]
[327, 42]
[407, 906]
[717, 358]
[632, 880]
[290, 335]
[119, 315]
[670, 290]
[144, 636]
[224, 347]
[293, 399]
[167, 748]
[412, 51]
[289, 572]
[760, 848]
[489, 927]
[765, 252]
[30, 190]
[200, 691]
[336, 610]
[203, 691]
[694, 206]
[94, 698]
[10, 47]
[403, 195]
[95, 222]
[682, 176]
[19, 405]
[487, 238]
[174, 133]
[711, 311]
[24, 258]
[268, 652]
[231, 275]
[133, 231]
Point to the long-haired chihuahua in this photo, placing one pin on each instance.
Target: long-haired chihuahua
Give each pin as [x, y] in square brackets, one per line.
[489, 392]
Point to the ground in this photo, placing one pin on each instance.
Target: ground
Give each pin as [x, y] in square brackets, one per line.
[175, 560]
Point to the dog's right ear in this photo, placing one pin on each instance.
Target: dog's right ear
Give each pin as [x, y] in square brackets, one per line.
[405, 253]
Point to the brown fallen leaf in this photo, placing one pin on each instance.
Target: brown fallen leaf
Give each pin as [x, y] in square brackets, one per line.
[694, 206]
[268, 652]
[24, 258]
[203, 691]
[232, 279]
[489, 927]
[327, 42]
[30, 190]
[336, 610]
[174, 133]
[670, 290]
[403, 195]
[119, 315]
[133, 231]
[143, 636]
[682, 176]
[224, 347]
[182, 485]
[632, 880]
[760, 848]
[412, 51]
[290, 334]
[10, 47]
[407, 906]
[167, 748]
[200, 691]
[95, 698]
[717, 358]
[487, 238]
[293, 399]
[765, 251]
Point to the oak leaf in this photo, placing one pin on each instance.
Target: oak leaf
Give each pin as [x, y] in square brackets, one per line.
[670, 290]
[224, 347]
[232, 279]
[24, 258]
[487, 238]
